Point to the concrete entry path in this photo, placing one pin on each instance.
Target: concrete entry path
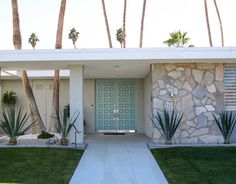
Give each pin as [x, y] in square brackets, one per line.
[123, 159]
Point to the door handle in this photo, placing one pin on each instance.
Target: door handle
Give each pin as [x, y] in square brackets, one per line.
[115, 114]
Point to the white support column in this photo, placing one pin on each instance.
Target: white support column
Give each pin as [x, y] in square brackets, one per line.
[76, 101]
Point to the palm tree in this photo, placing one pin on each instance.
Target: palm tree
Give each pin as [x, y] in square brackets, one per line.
[106, 22]
[16, 25]
[120, 36]
[60, 25]
[56, 81]
[124, 23]
[178, 39]
[207, 22]
[221, 27]
[35, 116]
[34, 112]
[142, 24]
[73, 35]
[33, 39]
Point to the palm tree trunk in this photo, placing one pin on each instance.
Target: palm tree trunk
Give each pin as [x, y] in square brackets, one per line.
[55, 101]
[221, 27]
[56, 81]
[16, 25]
[34, 113]
[124, 23]
[207, 22]
[142, 24]
[106, 22]
[60, 25]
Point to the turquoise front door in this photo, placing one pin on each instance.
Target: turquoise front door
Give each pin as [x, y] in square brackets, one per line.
[116, 105]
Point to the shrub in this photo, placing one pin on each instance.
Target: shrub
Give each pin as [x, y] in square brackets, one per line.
[8, 99]
[45, 135]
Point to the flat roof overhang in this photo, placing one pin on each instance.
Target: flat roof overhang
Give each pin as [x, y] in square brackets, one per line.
[115, 62]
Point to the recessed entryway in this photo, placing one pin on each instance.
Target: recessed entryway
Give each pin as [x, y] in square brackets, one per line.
[116, 105]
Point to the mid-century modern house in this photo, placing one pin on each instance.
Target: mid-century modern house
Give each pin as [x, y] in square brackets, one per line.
[118, 90]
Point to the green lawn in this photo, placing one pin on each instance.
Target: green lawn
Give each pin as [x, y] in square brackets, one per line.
[38, 165]
[205, 165]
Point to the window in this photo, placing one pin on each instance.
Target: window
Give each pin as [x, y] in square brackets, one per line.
[230, 88]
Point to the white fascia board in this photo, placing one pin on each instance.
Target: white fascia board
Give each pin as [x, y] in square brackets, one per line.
[80, 55]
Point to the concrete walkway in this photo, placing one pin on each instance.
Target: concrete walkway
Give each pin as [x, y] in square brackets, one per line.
[117, 160]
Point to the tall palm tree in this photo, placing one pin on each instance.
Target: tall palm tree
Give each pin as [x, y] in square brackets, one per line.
[60, 25]
[56, 81]
[207, 22]
[142, 24]
[35, 116]
[33, 39]
[107, 24]
[16, 25]
[178, 39]
[221, 27]
[124, 23]
[73, 35]
[120, 37]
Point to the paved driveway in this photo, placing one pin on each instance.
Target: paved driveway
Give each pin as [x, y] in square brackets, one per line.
[117, 160]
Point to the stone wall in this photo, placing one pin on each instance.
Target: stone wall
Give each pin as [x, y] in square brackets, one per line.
[194, 89]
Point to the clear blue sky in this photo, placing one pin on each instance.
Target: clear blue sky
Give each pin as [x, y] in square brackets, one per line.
[162, 17]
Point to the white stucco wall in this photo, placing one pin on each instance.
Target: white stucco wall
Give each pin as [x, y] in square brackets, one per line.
[140, 106]
[42, 90]
[147, 106]
[89, 105]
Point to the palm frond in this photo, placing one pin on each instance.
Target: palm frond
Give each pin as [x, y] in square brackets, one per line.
[177, 39]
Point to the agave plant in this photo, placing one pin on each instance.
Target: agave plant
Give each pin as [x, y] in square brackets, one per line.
[167, 124]
[65, 124]
[8, 99]
[14, 123]
[225, 123]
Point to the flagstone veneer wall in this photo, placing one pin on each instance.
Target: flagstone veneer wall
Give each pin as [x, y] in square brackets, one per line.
[197, 90]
